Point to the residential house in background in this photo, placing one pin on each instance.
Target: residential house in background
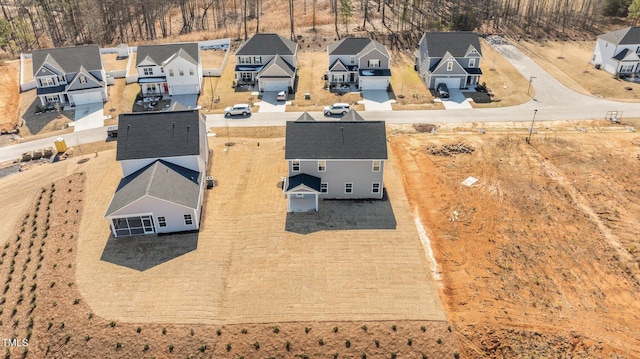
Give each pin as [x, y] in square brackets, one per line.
[341, 159]
[164, 157]
[452, 58]
[171, 69]
[268, 60]
[70, 75]
[618, 52]
[358, 61]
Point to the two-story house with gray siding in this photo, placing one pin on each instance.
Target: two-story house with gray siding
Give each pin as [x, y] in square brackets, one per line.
[452, 58]
[70, 75]
[163, 156]
[360, 61]
[268, 60]
[333, 160]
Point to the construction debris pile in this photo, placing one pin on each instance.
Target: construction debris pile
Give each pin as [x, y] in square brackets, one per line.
[450, 149]
[424, 127]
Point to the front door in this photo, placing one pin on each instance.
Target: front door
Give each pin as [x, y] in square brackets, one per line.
[147, 224]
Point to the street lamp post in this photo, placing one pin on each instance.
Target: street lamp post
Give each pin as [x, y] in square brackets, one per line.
[531, 129]
[530, 81]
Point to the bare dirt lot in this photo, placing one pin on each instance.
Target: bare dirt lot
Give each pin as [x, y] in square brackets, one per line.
[539, 258]
[10, 96]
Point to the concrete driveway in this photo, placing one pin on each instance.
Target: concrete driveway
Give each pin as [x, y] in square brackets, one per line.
[188, 101]
[456, 101]
[269, 103]
[376, 100]
[88, 116]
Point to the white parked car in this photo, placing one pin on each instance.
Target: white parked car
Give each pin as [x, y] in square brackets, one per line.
[239, 109]
[282, 96]
[336, 109]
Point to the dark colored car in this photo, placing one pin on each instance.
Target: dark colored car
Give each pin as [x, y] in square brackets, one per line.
[442, 90]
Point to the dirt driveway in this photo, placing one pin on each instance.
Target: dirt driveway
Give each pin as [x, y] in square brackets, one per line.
[245, 266]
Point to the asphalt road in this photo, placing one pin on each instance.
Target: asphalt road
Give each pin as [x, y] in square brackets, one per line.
[553, 101]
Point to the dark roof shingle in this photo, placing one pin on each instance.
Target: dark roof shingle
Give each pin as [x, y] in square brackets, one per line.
[310, 181]
[160, 53]
[354, 46]
[267, 44]
[627, 36]
[158, 134]
[335, 140]
[456, 42]
[70, 59]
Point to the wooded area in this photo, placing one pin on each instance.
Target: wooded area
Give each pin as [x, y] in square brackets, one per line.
[29, 24]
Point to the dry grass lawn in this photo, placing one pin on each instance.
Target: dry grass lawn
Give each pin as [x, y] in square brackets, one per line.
[568, 62]
[111, 62]
[27, 69]
[212, 59]
[408, 88]
[10, 95]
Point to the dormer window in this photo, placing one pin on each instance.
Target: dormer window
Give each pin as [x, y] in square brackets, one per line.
[472, 62]
[148, 71]
[374, 63]
[450, 66]
[82, 79]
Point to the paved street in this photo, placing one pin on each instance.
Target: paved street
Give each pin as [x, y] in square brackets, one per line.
[552, 100]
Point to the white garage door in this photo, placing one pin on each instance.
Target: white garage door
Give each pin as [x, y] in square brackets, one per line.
[85, 98]
[275, 85]
[373, 84]
[184, 89]
[452, 83]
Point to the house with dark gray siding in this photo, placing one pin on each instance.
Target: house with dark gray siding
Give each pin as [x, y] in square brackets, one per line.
[452, 58]
[163, 156]
[341, 159]
[70, 75]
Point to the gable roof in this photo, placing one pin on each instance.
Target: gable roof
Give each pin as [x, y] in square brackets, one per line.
[352, 115]
[159, 179]
[355, 46]
[159, 134]
[335, 140]
[457, 43]
[627, 36]
[303, 180]
[277, 62]
[267, 44]
[160, 53]
[68, 59]
[91, 81]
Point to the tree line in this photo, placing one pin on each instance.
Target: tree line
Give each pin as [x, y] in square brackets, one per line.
[30, 24]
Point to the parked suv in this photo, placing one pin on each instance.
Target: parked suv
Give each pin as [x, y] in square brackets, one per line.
[442, 90]
[239, 109]
[336, 109]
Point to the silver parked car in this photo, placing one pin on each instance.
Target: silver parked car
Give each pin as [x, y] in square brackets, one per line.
[336, 109]
[239, 109]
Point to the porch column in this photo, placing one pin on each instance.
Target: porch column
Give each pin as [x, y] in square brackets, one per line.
[316, 203]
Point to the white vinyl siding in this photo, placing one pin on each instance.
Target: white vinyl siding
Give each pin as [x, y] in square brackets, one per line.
[148, 71]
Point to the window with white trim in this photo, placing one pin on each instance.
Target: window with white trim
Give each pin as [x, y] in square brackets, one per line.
[82, 79]
[257, 60]
[191, 71]
[162, 221]
[244, 60]
[375, 166]
[348, 187]
[188, 220]
[374, 63]
[148, 71]
[626, 68]
[450, 66]
[324, 187]
[47, 81]
[322, 166]
[295, 166]
[472, 62]
[353, 60]
[53, 98]
[181, 72]
[170, 72]
[246, 76]
[375, 187]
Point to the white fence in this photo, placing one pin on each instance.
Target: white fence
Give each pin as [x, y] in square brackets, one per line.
[28, 85]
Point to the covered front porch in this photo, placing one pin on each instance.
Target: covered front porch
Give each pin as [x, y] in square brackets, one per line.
[302, 193]
[154, 86]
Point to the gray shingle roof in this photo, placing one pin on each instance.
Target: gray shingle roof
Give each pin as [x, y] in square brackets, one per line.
[310, 181]
[335, 140]
[279, 62]
[159, 179]
[158, 134]
[70, 59]
[355, 46]
[456, 42]
[160, 53]
[627, 36]
[352, 115]
[267, 44]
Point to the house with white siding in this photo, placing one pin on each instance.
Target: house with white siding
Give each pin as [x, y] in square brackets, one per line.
[268, 60]
[618, 52]
[169, 69]
[164, 157]
[70, 75]
[359, 61]
[341, 159]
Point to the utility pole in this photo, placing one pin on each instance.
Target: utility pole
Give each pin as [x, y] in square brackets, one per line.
[530, 81]
[528, 139]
